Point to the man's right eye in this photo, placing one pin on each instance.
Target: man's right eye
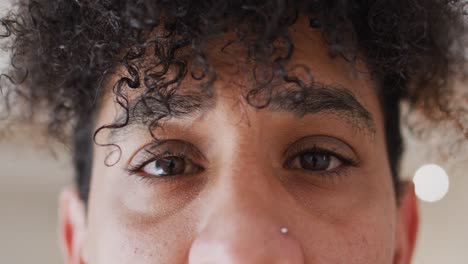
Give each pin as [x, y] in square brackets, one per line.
[169, 166]
[167, 158]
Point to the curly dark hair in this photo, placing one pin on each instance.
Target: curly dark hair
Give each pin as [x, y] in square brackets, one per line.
[64, 51]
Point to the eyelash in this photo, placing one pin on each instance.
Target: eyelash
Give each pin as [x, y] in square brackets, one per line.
[136, 169]
[347, 162]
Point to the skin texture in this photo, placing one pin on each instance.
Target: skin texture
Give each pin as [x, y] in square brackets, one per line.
[233, 210]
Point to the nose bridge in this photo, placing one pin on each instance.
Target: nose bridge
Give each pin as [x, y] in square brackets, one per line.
[243, 191]
[245, 195]
[243, 222]
[246, 186]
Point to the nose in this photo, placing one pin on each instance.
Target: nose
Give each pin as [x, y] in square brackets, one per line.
[245, 225]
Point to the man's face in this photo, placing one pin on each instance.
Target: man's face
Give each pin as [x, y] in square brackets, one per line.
[231, 183]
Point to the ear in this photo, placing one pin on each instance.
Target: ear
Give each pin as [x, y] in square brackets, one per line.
[408, 223]
[72, 226]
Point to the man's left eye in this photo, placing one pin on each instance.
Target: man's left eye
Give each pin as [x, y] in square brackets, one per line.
[170, 166]
[313, 161]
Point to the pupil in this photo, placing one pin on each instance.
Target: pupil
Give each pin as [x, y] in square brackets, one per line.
[170, 166]
[315, 161]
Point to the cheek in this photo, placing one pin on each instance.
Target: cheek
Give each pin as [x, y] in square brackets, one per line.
[130, 222]
[121, 235]
[371, 238]
[358, 236]
[128, 240]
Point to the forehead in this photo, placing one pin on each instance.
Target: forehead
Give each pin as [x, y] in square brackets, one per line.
[173, 83]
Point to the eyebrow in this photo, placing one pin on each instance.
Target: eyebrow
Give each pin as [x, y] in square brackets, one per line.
[319, 98]
[148, 108]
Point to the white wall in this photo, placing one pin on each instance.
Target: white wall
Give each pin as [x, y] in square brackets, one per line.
[30, 180]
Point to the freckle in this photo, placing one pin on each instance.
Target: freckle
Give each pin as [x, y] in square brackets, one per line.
[364, 240]
[135, 251]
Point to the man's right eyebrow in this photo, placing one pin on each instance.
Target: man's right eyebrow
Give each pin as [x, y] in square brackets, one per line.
[322, 98]
[145, 110]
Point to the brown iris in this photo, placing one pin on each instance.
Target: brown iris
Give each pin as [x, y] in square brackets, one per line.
[315, 161]
[169, 166]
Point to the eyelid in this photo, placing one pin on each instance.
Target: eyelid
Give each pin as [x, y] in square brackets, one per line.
[324, 145]
[134, 168]
[164, 148]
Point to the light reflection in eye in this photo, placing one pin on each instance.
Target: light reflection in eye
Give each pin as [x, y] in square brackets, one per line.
[166, 166]
[320, 154]
[170, 166]
[318, 161]
[166, 158]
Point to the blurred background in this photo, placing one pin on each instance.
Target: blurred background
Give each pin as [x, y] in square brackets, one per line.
[32, 174]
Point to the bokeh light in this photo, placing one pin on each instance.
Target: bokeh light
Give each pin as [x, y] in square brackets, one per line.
[431, 183]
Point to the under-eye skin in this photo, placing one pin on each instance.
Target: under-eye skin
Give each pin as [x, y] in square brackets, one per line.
[320, 155]
[166, 159]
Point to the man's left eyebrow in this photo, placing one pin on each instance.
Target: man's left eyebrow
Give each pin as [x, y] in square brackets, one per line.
[321, 98]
